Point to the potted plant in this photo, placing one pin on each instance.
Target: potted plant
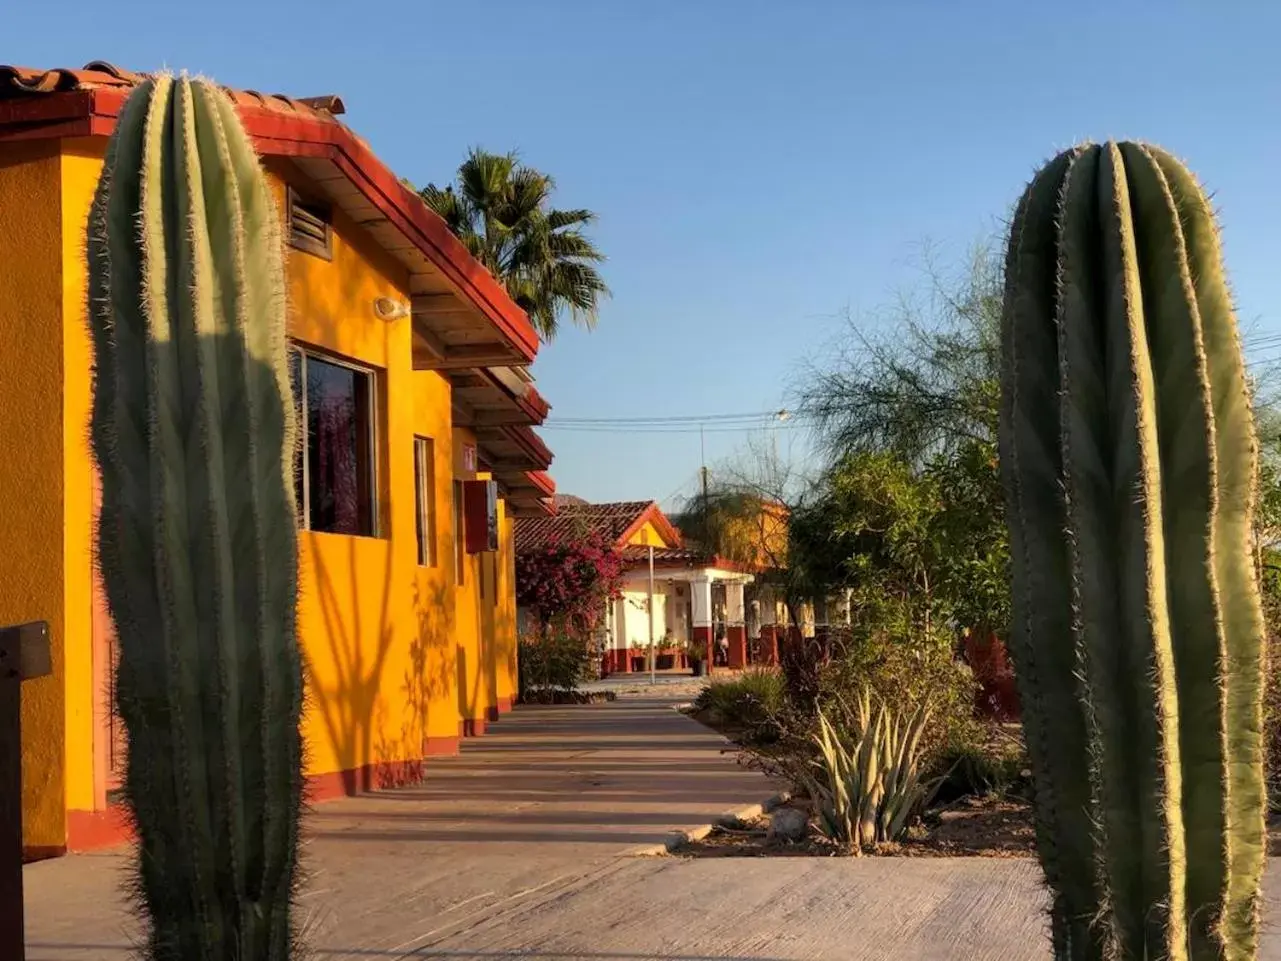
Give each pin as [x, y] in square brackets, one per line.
[637, 654]
[666, 654]
[696, 656]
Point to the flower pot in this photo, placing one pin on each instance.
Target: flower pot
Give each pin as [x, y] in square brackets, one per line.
[638, 665]
[697, 667]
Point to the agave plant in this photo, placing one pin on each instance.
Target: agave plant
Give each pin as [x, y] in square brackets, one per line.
[868, 774]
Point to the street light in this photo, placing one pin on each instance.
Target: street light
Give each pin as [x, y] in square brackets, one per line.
[653, 660]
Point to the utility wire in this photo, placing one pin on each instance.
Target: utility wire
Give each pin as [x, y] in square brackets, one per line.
[772, 420]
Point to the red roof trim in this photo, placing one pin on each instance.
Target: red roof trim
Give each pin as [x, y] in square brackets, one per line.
[543, 481]
[527, 440]
[531, 404]
[276, 133]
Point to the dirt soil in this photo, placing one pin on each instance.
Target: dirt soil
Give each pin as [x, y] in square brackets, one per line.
[974, 827]
[991, 826]
[983, 827]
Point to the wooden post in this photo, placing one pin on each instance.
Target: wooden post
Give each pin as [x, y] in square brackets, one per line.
[24, 654]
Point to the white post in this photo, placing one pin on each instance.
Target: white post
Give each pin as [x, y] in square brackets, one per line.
[700, 588]
[653, 658]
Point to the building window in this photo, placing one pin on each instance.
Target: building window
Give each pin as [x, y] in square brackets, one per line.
[335, 478]
[310, 226]
[425, 487]
[460, 536]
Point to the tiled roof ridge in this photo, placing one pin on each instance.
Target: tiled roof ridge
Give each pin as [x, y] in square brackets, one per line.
[99, 73]
[606, 507]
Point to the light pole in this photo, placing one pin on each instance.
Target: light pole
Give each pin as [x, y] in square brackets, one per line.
[653, 660]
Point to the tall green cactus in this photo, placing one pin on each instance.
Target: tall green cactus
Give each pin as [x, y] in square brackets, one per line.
[193, 431]
[1128, 456]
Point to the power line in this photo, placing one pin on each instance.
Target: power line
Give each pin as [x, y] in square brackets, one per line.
[772, 420]
[693, 419]
[661, 429]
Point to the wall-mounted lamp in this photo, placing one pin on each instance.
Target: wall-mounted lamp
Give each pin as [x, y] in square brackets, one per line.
[387, 309]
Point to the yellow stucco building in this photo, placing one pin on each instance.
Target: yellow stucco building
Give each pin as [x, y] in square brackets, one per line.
[410, 364]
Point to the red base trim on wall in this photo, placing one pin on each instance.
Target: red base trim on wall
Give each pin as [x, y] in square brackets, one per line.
[504, 705]
[91, 830]
[491, 714]
[94, 830]
[440, 746]
[737, 652]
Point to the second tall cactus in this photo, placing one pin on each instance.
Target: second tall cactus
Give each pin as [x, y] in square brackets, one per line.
[1128, 455]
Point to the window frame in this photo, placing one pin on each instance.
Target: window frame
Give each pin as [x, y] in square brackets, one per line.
[304, 352]
[425, 500]
[460, 541]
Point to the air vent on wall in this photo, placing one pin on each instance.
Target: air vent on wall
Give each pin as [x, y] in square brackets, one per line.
[310, 226]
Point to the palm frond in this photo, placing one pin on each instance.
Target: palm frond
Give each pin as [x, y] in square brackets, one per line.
[560, 219]
[500, 209]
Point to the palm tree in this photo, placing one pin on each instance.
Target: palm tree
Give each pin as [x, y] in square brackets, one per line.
[500, 210]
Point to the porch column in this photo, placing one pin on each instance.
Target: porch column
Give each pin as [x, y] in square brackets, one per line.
[821, 624]
[735, 627]
[613, 663]
[700, 589]
[769, 628]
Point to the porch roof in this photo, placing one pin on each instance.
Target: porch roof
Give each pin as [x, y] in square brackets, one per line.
[463, 318]
[463, 321]
[686, 558]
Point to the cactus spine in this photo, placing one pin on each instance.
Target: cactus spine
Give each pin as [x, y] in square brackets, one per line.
[1128, 457]
[193, 432]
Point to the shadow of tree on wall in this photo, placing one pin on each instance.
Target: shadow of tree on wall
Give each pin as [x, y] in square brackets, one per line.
[425, 686]
[504, 642]
[347, 703]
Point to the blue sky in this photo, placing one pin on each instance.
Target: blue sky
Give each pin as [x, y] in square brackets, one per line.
[758, 168]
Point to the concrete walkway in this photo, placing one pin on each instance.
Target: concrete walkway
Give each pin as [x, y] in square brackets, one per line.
[549, 798]
[520, 849]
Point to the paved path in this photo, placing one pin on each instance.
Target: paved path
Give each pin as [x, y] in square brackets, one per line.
[553, 796]
[519, 849]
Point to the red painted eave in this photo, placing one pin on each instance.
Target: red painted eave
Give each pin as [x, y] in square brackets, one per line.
[531, 403]
[277, 133]
[529, 442]
[543, 481]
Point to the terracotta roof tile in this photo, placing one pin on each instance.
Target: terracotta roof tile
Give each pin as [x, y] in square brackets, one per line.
[16, 82]
[606, 520]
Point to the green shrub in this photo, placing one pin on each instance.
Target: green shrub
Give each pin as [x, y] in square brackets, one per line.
[981, 767]
[912, 670]
[752, 705]
[556, 661]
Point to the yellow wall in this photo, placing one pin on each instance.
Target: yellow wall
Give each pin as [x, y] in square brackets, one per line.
[473, 694]
[506, 684]
[31, 492]
[436, 652]
[396, 653]
[648, 534]
[81, 164]
[358, 617]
